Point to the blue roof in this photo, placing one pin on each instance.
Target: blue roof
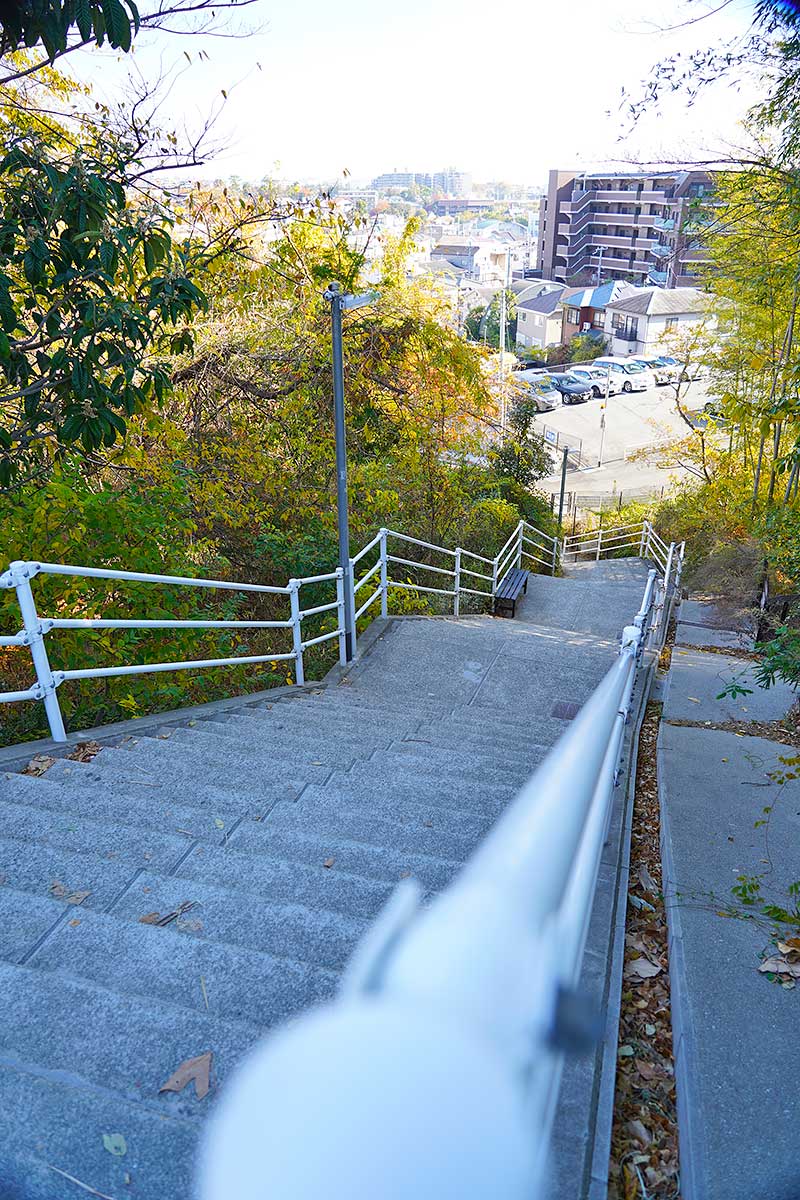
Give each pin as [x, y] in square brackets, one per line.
[594, 297]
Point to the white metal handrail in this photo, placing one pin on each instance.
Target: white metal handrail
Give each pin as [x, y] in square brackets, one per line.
[444, 1050]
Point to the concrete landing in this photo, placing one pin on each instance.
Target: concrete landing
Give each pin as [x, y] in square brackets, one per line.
[736, 1049]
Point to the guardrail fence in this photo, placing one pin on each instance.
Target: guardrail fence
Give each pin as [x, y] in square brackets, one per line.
[382, 565]
[436, 1071]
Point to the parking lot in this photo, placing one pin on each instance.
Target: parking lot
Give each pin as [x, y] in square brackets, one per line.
[634, 423]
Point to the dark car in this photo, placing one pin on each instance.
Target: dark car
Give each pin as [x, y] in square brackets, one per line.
[573, 390]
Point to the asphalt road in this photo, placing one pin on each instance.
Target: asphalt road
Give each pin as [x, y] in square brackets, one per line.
[625, 454]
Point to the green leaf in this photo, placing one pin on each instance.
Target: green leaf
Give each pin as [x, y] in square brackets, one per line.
[115, 1144]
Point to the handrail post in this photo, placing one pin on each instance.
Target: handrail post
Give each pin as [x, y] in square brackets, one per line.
[599, 543]
[645, 525]
[555, 555]
[340, 615]
[495, 565]
[384, 576]
[21, 576]
[520, 532]
[457, 583]
[297, 634]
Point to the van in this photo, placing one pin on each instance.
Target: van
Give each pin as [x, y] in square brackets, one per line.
[632, 376]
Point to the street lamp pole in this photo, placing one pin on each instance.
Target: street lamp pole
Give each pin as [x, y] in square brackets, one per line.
[339, 302]
[603, 411]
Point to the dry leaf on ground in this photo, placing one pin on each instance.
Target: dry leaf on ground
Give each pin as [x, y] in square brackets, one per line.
[780, 966]
[39, 764]
[197, 1070]
[641, 968]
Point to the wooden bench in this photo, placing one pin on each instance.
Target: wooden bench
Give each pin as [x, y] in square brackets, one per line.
[509, 592]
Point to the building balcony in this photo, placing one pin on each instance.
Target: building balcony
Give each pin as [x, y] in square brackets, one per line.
[665, 224]
[660, 250]
[579, 202]
[625, 335]
[657, 197]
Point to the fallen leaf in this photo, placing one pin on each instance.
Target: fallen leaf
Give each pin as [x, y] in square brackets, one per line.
[625, 1052]
[193, 1069]
[219, 824]
[75, 922]
[155, 918]
[115, 1144]
[151, 918]
[646, 1069]
[85, 752]
[77, 897]
[39, 764]
[693, 699]
[641, 968]
[779, 966]
[650, 1030]
[646, 880]
[58, 889]
[329, 862]
[638, 1132]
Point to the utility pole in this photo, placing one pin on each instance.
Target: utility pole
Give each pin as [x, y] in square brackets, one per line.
[339, 302]
[503, 342]
[603, 411]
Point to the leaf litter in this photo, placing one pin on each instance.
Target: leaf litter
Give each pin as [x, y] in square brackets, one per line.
[644, 1148]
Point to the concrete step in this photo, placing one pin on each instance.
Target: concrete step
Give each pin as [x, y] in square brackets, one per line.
[289, 882]
[210, 741]
[44, 870]
[24, 919]
[52, 1121]
[125, 803]
[378, 782]
[330, 723]
[364, 827]
[542, 733]
[158, 765]
[233, 983]
[522, 756]
[427, 760]
[99, 1037]
[110, 841]
[247, 919]
[412, 808]
[368, 860]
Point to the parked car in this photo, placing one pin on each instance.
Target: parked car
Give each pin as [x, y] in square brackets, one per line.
[659, 368]
[573, 389]
[686, 371]
[540, 388]
[632, 376]
[599, 380]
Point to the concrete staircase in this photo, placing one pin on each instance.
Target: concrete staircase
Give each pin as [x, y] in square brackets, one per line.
[267, 836]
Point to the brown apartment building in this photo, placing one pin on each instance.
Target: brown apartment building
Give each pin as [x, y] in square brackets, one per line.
[625, 226]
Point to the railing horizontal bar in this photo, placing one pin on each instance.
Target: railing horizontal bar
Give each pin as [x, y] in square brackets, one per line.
[102, 623]
[317, 578]
[476, 574]
[366, 549]
[32, 693]
[324, 637]
[416, 542]
[513, 538]
[417, 587]
[544, 562]
[151, 668]
[17, 640]
[311, 612]
[476, 592]
[375, 595]
[144, 577]
[408, 562]
[480, 557]
[535, 529]
[366, 578]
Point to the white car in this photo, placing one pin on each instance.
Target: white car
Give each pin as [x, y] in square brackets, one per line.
[631, 375]
[659, 368]
[598, 380]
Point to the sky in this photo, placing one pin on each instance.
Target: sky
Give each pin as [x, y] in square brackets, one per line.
[504, 91]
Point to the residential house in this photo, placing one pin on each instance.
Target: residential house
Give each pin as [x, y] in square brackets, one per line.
[584, 309]
[637, 322]
[539, 316]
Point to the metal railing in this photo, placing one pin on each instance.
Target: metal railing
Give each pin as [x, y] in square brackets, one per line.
[467, 574]
[436, 1071]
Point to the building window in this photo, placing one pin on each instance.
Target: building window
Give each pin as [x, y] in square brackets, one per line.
[670, 323]
[624, 326]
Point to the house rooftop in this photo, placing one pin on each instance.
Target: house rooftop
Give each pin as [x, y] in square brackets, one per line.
[656, 301]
